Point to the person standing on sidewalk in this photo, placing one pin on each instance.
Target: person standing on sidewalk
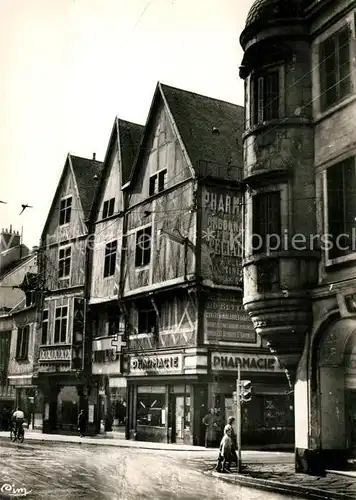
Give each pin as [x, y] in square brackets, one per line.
[81, 423]
[211, 421]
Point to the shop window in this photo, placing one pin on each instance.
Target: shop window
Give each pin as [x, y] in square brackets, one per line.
[65, 210]
[110, 258]
[44, 338]
[341, 179]
[265, 97]
[64, 260]
[147, 321]
[23, 335]
[151, 409]
[334, 68]
[60, 326]
[158, 182]
[143, 246]
[277, 413]
[266, 222]
[108, 208]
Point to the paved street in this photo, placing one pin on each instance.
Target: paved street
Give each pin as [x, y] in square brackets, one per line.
[72, 471]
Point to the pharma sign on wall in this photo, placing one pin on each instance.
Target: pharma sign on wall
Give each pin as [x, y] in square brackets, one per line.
[226, 320]
[221, 242]
[165, 364]
[225, 361]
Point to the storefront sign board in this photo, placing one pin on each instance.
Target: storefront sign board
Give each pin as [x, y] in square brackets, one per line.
[226, 320]
[248, 362]
[164, 364]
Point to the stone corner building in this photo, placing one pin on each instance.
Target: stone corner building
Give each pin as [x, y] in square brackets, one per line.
[300, 171]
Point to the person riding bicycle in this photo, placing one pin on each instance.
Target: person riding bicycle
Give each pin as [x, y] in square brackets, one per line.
[18, 418]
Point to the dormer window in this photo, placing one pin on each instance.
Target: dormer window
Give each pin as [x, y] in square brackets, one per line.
[264, 97]
[158, 182]
[65, 210]
[108, 208]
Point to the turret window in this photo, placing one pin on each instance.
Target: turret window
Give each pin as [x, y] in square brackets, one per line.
[334, 68]
[266, 221]
[265, 97]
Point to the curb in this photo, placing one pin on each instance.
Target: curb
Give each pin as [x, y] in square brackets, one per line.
[100, 443]
[282, 488]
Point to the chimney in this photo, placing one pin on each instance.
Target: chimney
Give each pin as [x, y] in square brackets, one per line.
[94, 156]
[9, 239]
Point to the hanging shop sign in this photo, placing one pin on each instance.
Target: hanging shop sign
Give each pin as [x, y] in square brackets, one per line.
[248, 362]
[156, 364]
[226, 320]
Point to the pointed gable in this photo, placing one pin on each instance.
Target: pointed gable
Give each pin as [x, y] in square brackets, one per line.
[87, 175]
[124, 138]
[211, 131]
[130, 135]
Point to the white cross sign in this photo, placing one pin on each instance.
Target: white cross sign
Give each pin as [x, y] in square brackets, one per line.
[117, 342]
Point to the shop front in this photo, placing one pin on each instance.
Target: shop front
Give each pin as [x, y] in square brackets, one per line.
[167, 396]
[107, 371]
[268, 419]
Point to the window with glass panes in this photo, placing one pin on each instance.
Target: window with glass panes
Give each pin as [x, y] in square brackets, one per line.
[264, 97]
[110, 258]
[334, 68]
[108, 208]
[65, 210]
[64, 258]
[23, 335]
[266, 221]
[341, 212]
[60, 325]
[143, 246]
[44, 338]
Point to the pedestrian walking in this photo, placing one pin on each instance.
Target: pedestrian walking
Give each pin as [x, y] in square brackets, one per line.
[81, 423]
[211, 421]
[228, 447]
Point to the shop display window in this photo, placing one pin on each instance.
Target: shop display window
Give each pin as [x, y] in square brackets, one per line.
[151, 409]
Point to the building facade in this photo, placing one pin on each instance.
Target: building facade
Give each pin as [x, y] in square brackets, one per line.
[63, 368]
[299, 167]
[181, 283]
[105, 261]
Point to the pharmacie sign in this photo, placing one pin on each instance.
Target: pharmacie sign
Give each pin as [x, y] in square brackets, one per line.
[160, 364]
[248, 362]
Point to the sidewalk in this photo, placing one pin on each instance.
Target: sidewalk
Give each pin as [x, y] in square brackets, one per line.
[109, 439]
[281, 478]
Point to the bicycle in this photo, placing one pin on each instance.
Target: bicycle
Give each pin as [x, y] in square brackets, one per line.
[17, 435]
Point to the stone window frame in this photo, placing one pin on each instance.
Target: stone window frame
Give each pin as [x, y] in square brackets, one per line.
[348, 20]
[249, 104]
[352, 255]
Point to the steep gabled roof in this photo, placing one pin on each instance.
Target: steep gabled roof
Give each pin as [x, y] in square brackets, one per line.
[83, 171]
[210, 131]
[130, 135]
[127, 136]
[15, 265]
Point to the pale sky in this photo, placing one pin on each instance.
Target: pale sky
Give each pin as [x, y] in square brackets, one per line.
[70, 66]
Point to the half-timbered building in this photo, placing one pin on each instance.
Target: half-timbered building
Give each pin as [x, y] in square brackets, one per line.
[63, 364]
[106, 243]
[181, 281]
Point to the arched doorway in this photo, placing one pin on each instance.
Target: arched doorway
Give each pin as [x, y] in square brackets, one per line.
[337, 387]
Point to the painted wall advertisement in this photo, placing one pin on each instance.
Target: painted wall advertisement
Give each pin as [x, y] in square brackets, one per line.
[221, 236]
[226, 320]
